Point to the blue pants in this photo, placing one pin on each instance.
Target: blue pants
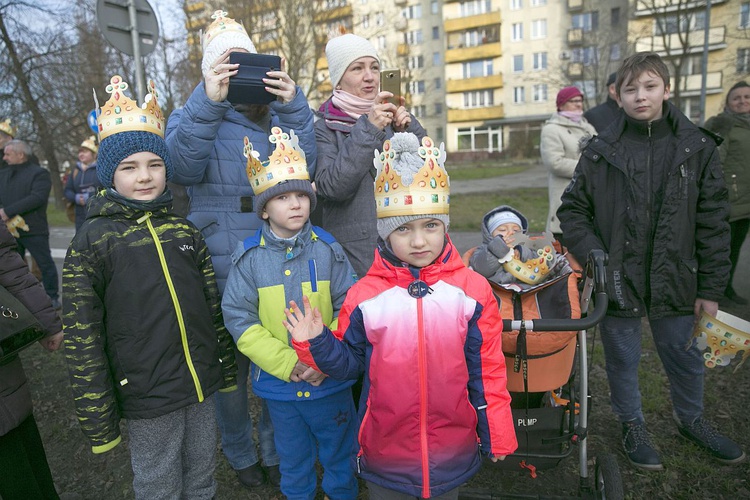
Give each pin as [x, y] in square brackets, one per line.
[38, 247]
[621, 338]
[326, 428]
[236, 424]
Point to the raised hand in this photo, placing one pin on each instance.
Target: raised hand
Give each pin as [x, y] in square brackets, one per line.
[217, 77]
[303, 324]
[280, 84]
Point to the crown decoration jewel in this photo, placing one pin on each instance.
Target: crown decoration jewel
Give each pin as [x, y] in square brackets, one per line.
[221, 24]
[122, 114]
[287, 161]
[535, 269]
[7, 128]
[425, 192]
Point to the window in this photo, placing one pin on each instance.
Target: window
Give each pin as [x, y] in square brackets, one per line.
[745, 15]
[479, 99]
[436, 32]
[614, 16]
[615, 54]
[415, 62]
[680, 23]
[434, 7]
[412, 12]
[538, 3]
[517, 64]
[366, 21]
[438, 108]
[589, 21]
[519, 95]
[692, 65]
[419, 111]
[586, 55]
[381, 42]
[540, 92]
[540, 60]
[743, 60]
[436, 58]
[380, 19]
[691, 106]
[438, 83]
[474, 7]
[539, 28]
[516, 32]
[414, 37]
[416, 87]
[479, 68]
[516, 4]
[482, 138]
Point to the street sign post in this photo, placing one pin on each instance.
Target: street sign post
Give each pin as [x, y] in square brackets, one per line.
[91, 120]
[131, 27]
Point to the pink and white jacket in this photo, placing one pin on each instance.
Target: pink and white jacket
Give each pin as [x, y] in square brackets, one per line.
[434, 393]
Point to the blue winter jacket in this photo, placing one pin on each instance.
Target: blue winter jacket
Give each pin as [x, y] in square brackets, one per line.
[205, 141]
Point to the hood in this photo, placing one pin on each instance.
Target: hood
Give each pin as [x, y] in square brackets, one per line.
[486, 236]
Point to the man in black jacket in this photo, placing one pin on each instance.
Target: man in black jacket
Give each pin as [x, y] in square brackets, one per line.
[24, 191]
[603, 115]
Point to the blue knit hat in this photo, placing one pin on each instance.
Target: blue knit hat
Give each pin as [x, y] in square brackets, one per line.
[115, 148]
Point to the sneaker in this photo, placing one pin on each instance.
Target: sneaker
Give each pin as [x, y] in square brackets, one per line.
[274, 475]
[251, 477]
[702, 433]
[638, 447]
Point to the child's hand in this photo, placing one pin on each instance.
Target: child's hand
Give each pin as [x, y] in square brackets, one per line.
[299, 369]
[303, 326]
[313, 377]
[495, 458]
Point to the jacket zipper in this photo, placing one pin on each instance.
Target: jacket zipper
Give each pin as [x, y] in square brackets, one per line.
[176, 303]
[422, 368]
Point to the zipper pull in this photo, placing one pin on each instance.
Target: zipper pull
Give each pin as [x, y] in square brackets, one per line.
[683, 173]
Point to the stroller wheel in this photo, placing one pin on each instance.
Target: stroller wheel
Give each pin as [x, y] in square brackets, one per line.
[608, 481]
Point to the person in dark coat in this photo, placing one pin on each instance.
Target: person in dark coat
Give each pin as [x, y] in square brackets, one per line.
[83, 182]
[25, 472]
[24, 191]
[606, 113]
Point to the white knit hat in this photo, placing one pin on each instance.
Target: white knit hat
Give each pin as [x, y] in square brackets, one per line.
[224, 34]
[503, 217]
[344, 50]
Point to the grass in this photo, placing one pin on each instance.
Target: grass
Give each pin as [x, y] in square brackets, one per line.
[57, 217]
[483, 172]
[467, 209]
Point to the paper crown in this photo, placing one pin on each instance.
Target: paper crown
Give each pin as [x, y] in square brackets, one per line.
[221, 24]
[536, 269]
[287, 162]
[723, 336]
[90, 144]
[7, 128]
[122, 114]
[428, 192]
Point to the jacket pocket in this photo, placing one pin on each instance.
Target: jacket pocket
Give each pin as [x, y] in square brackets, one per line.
[687, 286]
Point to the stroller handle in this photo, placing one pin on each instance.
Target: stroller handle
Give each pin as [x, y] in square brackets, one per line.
[596, 275]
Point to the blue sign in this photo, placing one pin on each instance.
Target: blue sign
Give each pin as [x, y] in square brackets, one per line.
[92, 121]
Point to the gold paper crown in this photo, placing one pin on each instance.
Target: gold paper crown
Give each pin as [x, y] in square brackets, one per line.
[90, 144]
[724, 336]
[429, 191]
[122, 114]
[222, 24]
[536, 269]
[287, 162]
[7, 128]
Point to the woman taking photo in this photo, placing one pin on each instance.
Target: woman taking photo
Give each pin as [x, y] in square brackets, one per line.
[733, 125]
[354, 123]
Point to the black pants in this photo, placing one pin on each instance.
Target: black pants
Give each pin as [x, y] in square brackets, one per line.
[38, 247]
[739, 230]
[24, 472]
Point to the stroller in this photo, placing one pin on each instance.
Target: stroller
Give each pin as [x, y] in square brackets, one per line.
[545, 353]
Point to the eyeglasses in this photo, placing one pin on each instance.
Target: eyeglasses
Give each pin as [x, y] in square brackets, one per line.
[576, 101]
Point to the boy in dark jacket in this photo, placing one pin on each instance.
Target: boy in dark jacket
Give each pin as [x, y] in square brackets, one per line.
[426, 333]
[649, 191]
[144, 336]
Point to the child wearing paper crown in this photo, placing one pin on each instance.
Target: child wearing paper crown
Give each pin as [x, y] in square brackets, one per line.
[144, 336]
[426, 332]
[312, 415]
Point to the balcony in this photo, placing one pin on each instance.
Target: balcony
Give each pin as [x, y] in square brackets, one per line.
[477, 83]
[331, 14]
[470, 22]
[666, 6]
[691, 84]
[195, 7]
[575, 70]
[476, 114]
[575, 36]
[402, 49]
[575, 5]
[486, 51]
[671, 43]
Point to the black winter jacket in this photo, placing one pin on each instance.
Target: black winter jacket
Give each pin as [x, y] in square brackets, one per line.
[24, 190]
[144, 335]
[603, 115]
[668, 241]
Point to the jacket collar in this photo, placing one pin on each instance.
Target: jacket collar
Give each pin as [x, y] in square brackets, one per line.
[388, 267]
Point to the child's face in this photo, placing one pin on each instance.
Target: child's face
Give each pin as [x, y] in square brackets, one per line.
[418, 242]
[287, 213]
[643, 96]
[507, 229]
[141, 176]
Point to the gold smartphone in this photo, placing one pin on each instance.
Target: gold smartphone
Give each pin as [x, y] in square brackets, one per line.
[390, 80]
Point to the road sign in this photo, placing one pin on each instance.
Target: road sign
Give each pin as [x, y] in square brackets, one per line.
[91, 119]
[115, 24]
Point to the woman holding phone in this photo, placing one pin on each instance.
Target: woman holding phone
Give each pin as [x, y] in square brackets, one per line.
[354, 123]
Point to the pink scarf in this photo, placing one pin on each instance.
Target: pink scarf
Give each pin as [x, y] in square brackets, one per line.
[572, 115]
[351, 104]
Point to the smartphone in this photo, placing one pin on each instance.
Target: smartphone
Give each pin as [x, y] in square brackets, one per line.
[390, 80]
[247, 85]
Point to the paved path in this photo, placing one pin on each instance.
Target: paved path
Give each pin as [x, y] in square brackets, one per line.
[533, 177]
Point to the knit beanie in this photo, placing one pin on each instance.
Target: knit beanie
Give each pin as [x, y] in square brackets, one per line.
[344, 50]
[737, 85]
[566, 94]
[504, 217]
[292, 185]
[224, 34]
[612, 78]
[406, 163]
[115, 148]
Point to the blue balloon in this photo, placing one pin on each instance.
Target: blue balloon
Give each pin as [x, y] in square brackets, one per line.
[92, 121]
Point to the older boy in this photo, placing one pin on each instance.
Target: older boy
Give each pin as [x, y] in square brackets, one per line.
[649, 191]
[425, 330]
